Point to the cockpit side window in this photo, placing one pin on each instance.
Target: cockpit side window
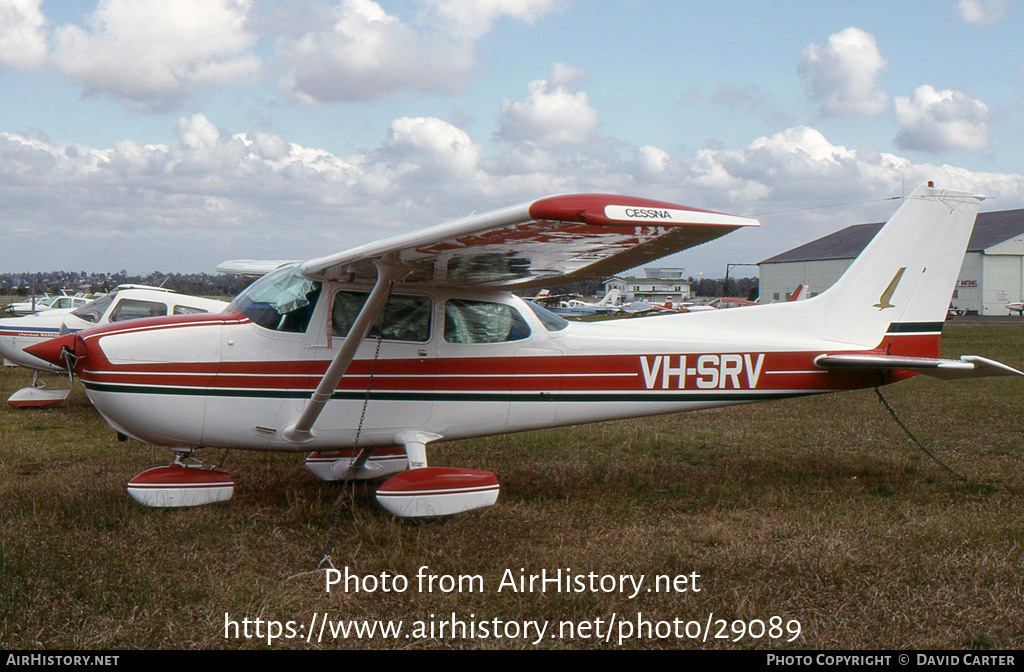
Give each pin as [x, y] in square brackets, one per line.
[467, 321]
[133, 309]
[408, 316]
[281, 301]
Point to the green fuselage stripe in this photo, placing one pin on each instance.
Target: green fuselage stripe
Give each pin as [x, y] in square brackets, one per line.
[466, 397]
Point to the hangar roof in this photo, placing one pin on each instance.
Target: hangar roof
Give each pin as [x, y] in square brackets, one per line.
[991, 228]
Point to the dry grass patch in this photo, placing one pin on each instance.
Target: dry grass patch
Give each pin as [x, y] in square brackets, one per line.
[816, 509]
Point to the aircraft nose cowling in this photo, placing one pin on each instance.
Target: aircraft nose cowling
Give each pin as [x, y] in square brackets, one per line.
[53, 350]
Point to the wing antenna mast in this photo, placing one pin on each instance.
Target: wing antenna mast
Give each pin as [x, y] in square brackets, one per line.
[388, 272]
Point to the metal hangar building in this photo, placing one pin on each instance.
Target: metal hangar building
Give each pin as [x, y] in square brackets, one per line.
[991, 276]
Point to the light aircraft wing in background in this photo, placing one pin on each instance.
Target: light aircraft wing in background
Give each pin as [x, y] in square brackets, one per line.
[253, 268]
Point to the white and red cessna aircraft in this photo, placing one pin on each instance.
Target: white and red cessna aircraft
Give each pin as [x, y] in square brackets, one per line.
[381, 350]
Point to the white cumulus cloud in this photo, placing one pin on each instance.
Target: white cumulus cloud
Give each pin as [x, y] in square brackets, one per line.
[22, 36]
[654, 159]
[842, 74]
[367, 53]
[213, 194]
[475, 18]
[982, 12]
[151, 52]
[437, 148]
[937, 121]
[553, 114]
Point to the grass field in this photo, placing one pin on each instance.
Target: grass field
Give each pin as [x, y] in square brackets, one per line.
[814, 511]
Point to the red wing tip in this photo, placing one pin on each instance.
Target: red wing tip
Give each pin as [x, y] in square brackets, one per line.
[628, 211]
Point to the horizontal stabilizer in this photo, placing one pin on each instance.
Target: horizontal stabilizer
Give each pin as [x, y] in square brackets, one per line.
[968, 366]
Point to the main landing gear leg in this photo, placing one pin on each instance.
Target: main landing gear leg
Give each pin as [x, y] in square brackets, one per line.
[179, 484]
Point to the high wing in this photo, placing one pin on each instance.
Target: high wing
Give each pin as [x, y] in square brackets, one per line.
[546, 242]
[968, 366]
[254, 268]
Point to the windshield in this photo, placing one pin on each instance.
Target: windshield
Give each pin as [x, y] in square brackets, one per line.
[93, 311]
[282, 300]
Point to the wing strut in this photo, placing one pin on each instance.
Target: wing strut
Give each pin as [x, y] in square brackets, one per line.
[387, 273]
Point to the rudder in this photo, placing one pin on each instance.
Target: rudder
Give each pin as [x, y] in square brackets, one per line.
[897, 292]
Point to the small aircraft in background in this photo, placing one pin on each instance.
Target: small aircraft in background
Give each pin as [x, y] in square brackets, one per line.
[801, 293]
[1015, 306]
[62, 302]
[644, 308]
[125, 302]
[578, 307]
[33, 305]
[719, 304]
[368, 356]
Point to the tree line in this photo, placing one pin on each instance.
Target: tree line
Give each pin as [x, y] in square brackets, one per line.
[205, 284]
[196, 284]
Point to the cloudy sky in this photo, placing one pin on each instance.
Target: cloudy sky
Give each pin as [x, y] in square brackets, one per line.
[170, 135]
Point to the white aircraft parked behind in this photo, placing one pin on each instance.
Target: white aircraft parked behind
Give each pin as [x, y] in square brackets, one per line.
[606, 306]
[801, 293]
[125, 302]
[45, 303]
[386, 348]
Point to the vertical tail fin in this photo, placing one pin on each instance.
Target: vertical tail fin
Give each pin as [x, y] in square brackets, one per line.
[801, 293]
[610, 298]
[898, 290]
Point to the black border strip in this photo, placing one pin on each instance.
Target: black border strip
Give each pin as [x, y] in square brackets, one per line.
[915, 327]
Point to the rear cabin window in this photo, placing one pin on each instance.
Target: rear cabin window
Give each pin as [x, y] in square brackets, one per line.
[188, 310]
[550, 321]
[467, 321]
[408, 317]
[133, 309]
